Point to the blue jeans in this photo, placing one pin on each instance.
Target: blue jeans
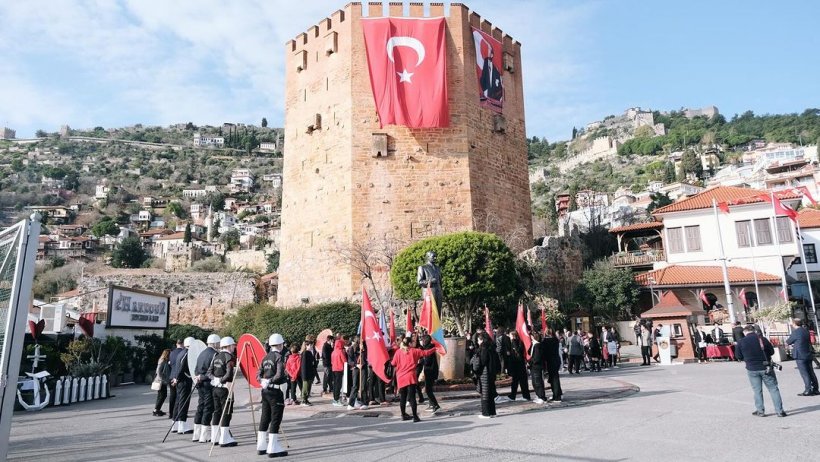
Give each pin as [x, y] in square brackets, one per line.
[757, 379]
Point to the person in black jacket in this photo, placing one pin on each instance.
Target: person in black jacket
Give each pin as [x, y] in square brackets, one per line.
[552, 358]
[308, 371]
[537, 364]
[181, 379]
[594, 352]
[327, 351]
[220, 373]
[517, 367]
[202, 384]
[272, 376]
[172, 390]
[757, 351]
[803, 355]
[502, 348]
[485, 365]
[430, 368]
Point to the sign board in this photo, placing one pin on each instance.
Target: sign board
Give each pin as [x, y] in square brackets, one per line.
[664, 350]
[137, 309]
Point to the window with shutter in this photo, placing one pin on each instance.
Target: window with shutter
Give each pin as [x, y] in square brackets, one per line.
[675, 237]
[784, 230]
[693, 238]
[743, 231]
[763, 231]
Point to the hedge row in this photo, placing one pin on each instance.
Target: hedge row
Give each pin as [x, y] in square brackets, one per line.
[293, 323]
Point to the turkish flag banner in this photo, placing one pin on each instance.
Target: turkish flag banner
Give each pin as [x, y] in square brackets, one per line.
[372, 335]
[407, 60]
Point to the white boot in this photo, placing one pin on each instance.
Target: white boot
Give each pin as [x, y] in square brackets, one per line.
[185, 427]
[261, 443]
[203, 434]
[274, 448]
[178, 427]
[215, 433]
[174, 427]
[195, 436]
[225, 438]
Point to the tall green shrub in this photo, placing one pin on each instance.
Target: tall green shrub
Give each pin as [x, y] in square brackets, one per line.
[293, 323]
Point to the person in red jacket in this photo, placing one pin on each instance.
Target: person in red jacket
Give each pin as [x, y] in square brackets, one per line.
[293, 367]
[337, 365]
[404, 363]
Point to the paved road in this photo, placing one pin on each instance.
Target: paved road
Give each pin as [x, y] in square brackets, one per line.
[696, 411]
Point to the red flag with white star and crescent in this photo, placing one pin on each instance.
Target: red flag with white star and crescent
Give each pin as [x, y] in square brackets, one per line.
[371, 333]
[407, 60]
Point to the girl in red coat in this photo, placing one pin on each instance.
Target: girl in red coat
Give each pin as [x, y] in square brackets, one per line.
[404, 364]
[293, 367]
[337, 362]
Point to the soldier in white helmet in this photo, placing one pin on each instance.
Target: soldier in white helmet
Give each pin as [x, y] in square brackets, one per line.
[181, 380]
[221, 374]
[271, 376]
[205, 404]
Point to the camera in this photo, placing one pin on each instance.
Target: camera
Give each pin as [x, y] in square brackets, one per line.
[777, 366]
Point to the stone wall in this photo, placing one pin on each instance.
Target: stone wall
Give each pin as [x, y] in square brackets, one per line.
[338, 188]
[253, 260]
[560, 260]
[202, 299]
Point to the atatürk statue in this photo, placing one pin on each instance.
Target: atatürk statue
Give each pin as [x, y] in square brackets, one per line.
[429, 273]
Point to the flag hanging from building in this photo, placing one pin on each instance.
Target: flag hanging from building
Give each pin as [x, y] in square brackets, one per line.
[407, 60]
[431, 321]
[489, 70]
[779, 207]
[376, 350]
[523, 332]
[804, 191]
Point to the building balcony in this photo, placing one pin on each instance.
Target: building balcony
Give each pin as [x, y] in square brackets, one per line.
[637, 258]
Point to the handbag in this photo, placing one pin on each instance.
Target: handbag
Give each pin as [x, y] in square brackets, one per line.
[156, 385]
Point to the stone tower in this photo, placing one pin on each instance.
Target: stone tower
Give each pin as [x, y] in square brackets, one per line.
[347, 180]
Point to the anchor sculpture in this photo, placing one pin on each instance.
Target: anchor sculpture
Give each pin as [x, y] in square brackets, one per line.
[35, 382]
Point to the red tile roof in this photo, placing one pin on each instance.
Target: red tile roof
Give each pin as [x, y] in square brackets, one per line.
[701, 276]
[170, 237]
[703, 200]
[809, 218]
[637, 227]
[670, 306]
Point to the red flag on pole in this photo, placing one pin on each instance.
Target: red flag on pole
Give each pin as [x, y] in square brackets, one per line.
[371, 333]
[724, 207]
[426, 315]
[742, 297]
[488, 326]
[805, 192]
[703, 297]
[407, 60]
[523, 332]
[543, 321]
[779, 207]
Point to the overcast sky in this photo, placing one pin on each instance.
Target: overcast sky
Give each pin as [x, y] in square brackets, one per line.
[115, 63]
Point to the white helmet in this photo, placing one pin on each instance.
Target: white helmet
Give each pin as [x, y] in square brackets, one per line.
[187, 342]
[226, 341]
[276, 339]
[213, 338]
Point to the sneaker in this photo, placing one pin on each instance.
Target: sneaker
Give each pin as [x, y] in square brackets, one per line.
[759, 413]
[556, 400]
[406, 417]
[351, 408]
[482, 416]
[335, 403]
[782, 414]
[306, 404]
[416, 419]
[538, 401]
[435, 409]
[606, 368]
[363, 407]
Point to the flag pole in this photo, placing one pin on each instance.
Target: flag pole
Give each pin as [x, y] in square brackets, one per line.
[806, 271]
[779, 253]
[726, 288]
[754, 273]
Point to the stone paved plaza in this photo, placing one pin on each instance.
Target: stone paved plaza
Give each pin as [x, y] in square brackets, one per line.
[675, 413]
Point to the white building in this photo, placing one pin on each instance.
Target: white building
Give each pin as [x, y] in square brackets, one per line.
[809, 220]
[205, 140]
[268, 146]
[101, 192]
[241, 180]
[193, 193]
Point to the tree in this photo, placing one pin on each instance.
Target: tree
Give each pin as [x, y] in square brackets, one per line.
[129, 254]
[105, 227]
[669, 172]
[607, 291]
[690, 163]
[644, 131]
[218, 202]
[659, 200]
[264, 122]
[71, 181]
[230, 239]
[475, 268]
[40, 134]
[187, 237]
[273, 261]
[176, 209]
[215, 229]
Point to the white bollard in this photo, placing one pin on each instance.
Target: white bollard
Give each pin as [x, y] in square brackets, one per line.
[83, 383]
[97, 381]
[58, 388]
[104, 392]
[89, 392]
[75, 389]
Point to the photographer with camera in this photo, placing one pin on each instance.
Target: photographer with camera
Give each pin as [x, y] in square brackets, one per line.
[757, 351]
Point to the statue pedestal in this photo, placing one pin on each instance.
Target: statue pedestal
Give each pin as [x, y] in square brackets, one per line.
[451, 365]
